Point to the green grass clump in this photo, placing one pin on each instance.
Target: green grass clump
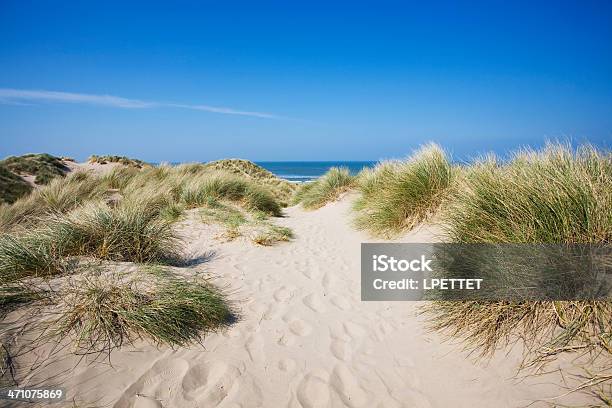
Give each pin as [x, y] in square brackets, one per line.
[130, 232]
[126, 161]
[43, 166]
[134, 233]
[223, 214]
[249, 194]
[14, 296]
[12, 187]
[102, 312]
[272, 234]
[325, 189]
[27, 255]
[555, 195]
[59, 196]
[397, 196]
[120, 177]
[280, 188]
[551, 196]
[239, 223]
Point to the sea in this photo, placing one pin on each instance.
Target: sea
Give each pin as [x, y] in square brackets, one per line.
[304, 171]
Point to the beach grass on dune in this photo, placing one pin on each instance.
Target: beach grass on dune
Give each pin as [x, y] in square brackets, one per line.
[199, 191]
[280, 188]
[239, 223]
[397, 196]
[59, 196]
[555, 195]
[325, 189]
[12, 187]
[126, 161]
[130, 232]
[224, 214]
[103, 313]
[551, 196]
[14, 296]
[272, 234]
[44, 167]
[124, 215]
[26, 255]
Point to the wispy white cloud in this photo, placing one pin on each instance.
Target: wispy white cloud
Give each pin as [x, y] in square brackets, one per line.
[23, 96]
[228, 111]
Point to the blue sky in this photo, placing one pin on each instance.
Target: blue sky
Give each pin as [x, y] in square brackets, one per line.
[195, 81]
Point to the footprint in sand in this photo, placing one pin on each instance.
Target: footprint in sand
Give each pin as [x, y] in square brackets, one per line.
[354, 330]
[254, 347]
[297, 326]
[313, 391]
[343, 381]
[286, 365]
[312, 272]
[314, 302]
[160, 382]
[286, 340]
[208, 384]
[341, 350]
[329, 280]
[272, 313]
[283, 294]
[338, 332]
[340, 302]
[300, 328]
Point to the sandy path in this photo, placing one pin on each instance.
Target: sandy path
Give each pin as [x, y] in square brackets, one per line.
[304, 338]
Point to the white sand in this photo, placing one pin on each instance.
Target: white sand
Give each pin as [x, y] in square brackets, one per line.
[304, 338]
[96, 168]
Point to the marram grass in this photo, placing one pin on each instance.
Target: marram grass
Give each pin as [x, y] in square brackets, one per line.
[551, 196]
[59, 196]
[249, 194]
[325, 189]
[101, 312]
[397, 196]
[130, 232]
[555, 195]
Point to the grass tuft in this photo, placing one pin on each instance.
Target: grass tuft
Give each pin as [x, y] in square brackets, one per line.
[130, 232]
[272, 234]
[44, 167]
[102, 313]
[325, 189]
[126, 161]
[280, 188]
[12, 187]
[397, 196]
[555, 195]
[253, 197]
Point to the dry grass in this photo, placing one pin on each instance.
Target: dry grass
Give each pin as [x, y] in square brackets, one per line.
[271, 234]
[12, 186]
[44, 167]
[397, 196]
[325, 189]
[280, 188]
[238, 223]
[552, 196]
[126, 161]
[102, 313]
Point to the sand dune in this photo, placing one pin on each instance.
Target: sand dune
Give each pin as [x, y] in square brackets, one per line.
[303, 338]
